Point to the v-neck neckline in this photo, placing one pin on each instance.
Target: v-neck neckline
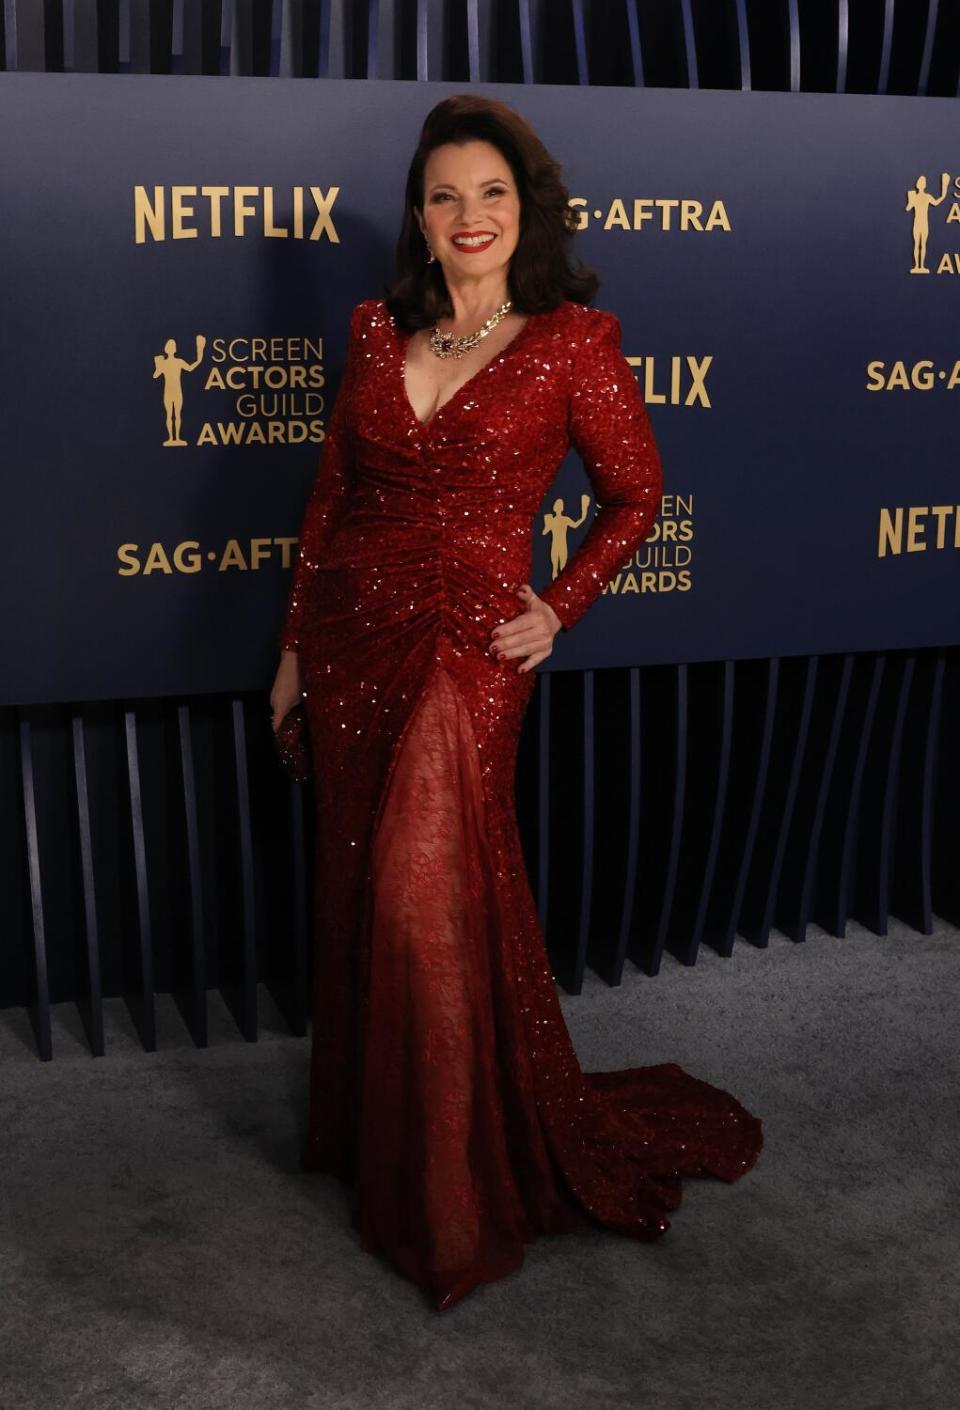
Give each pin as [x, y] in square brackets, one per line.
[403, 342]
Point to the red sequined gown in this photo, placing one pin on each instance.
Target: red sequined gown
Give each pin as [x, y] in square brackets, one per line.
[444, 1087]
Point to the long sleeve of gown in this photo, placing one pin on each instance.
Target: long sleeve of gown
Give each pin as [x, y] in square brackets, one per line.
[609, 426]
[331, 488]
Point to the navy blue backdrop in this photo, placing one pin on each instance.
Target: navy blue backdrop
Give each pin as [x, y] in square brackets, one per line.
[790, 323]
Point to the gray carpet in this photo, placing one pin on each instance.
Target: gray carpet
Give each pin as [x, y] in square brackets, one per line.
[161, 1248]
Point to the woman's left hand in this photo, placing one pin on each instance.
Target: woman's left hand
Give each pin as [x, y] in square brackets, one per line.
[530, 634]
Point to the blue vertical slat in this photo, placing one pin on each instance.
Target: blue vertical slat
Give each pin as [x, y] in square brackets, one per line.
[29, 36]
[226, 36]
[841, 910]
[689, 44]
[277, 18]
[196, 1014]
[125, 24]
[192, 57]
[69, 34]
[586, 856]
[886, 48]
[923, 78]
[423, 41]
[743, 45]
[843, 44]
[88, 885]
[881, 915]
[289, 15]
[633, 831]
[177, 38]
[928, 793]
[146, 1019]
[799, 750]
[543, 801]
[323, 39]
[580, 42]
[820, 807]
[437, 19]
[378, 13]
[719, 806]
[337, 40]
[11, 36]
[136, 32]
[487, 39]
[302, 926]
[676, 826]
[40, 1009]
[248, 996]
[794, 28]
[526, 41]
[475, 67]
[85, 37]
[241, 39]
[388, 38]
[636, 47]
[759, 790]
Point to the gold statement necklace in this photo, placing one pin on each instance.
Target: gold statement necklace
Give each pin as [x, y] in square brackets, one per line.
[456, 344]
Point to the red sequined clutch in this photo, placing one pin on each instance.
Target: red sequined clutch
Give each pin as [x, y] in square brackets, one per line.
[292, 743]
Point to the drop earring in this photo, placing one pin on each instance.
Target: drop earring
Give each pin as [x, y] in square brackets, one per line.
[430, 255]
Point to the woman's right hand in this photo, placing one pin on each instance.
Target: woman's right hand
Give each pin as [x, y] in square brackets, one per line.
[287, 688]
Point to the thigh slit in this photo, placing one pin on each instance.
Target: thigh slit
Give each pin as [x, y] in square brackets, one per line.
[429, 1033]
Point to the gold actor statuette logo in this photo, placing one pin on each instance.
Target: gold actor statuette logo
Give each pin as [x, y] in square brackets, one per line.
[171, 368]
[919, 200]
[557, 524]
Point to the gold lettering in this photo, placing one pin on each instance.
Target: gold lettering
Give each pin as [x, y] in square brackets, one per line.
[179, 209]
[269, 229]
[941, 511]
[232, 556]
[915, 529]
[690, 213]
[286, 546]
[718, 216]
[698, 369]
[216, 195]
[241, 210]
[616, 215]
[187, 562]
[577, 203]
[127, 555]
[157, 559]
[891, 533]
[147, 216]
[323, 223]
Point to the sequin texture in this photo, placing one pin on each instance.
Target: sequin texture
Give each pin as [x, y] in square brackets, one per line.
[444, 1087]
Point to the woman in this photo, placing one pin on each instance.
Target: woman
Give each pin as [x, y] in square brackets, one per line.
[444, 1087]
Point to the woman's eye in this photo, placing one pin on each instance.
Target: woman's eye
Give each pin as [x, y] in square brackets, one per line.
[495, 191]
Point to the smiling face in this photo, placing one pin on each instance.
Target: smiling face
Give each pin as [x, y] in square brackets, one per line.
[469, 191]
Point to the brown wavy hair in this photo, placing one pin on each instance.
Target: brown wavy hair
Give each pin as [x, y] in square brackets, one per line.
[541, 274]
